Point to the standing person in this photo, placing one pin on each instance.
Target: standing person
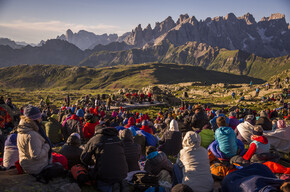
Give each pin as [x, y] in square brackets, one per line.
[251, 84]
[47, 101]
[257, 91]
[67, 100]
[194, 162]
[233, 95]
[33, 145]
[109, 101]
[110, 166]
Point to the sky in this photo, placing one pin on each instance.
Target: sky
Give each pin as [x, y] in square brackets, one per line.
[35, 20]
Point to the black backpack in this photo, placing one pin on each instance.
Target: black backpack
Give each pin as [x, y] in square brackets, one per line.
[50, 172]
[110, 156]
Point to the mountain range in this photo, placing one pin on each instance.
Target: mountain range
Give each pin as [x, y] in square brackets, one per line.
[237, 45]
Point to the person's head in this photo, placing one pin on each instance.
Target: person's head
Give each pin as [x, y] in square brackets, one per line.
[281, 124]
[232, 114]
[173, 125]
[263, 114]
[80, 113]
[74, 139]
[126, 135]
[32, 113]
[181, 188]
[191, 139]
[221, 122]
[150, 149]
[285, 187]
[258, 130]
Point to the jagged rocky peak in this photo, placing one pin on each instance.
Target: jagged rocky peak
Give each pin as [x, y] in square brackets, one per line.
[148, 27]
[68, 34]
[193, 20]
[249, 19]
[277, 16]
[230, 17]
[274, 16]
[182, 18]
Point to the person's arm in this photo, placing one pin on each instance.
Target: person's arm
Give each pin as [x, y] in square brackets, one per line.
[86, 156]
[250, 152]
[37, 150]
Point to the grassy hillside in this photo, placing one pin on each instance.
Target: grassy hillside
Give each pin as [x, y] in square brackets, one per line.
[131, 76]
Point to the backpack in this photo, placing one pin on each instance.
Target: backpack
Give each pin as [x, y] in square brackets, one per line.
[80, 174]
[144, 180]
[111, 166]
[219, 171]
[56, 157]
[50, 172]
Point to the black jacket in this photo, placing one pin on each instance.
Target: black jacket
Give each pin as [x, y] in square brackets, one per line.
[171, 142]
[109, 157]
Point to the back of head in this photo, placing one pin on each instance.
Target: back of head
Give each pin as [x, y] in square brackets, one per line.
[258, 130]
[221, 121]
[181, 188]
[173, 125]
[150, 149]
[74, 139]
[232, 114]
[263, 114]
[126, 135]
[32, 112]
[251, 119]
[191, 139]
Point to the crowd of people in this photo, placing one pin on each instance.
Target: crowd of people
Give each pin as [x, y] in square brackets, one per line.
[185, 148]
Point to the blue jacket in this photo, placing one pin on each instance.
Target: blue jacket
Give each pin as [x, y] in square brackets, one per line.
[227, 140]
[256, 177]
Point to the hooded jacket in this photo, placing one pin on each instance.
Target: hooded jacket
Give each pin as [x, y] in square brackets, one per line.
[110, 164]
[227, 140]
[171, 141]
[33, 150]
[72, 150]
[199, 120]
[89, 128]
[53, 130]
[194, 162]
[11, 154]
[156, 162]
[72, 125]
[132, 150]
[244, 131]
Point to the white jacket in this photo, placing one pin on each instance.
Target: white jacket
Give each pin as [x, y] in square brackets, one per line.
[195, 164]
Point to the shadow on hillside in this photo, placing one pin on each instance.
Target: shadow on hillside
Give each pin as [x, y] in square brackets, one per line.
[173, 73]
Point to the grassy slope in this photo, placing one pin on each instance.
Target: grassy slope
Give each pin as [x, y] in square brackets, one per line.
[131, 76]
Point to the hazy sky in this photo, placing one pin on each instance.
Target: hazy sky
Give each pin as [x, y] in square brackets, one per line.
[35, 20]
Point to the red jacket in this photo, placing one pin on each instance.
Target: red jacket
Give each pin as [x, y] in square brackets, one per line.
[89, 129]
[147, 129]
[253, 147]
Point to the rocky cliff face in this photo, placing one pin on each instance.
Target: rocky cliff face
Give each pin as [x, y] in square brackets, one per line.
[269, 37]
[87, 40]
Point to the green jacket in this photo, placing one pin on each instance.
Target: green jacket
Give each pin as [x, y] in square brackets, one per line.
[207, 137]
[53, 130]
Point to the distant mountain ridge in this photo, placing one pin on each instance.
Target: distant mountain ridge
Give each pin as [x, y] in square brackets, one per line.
[269, 37]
